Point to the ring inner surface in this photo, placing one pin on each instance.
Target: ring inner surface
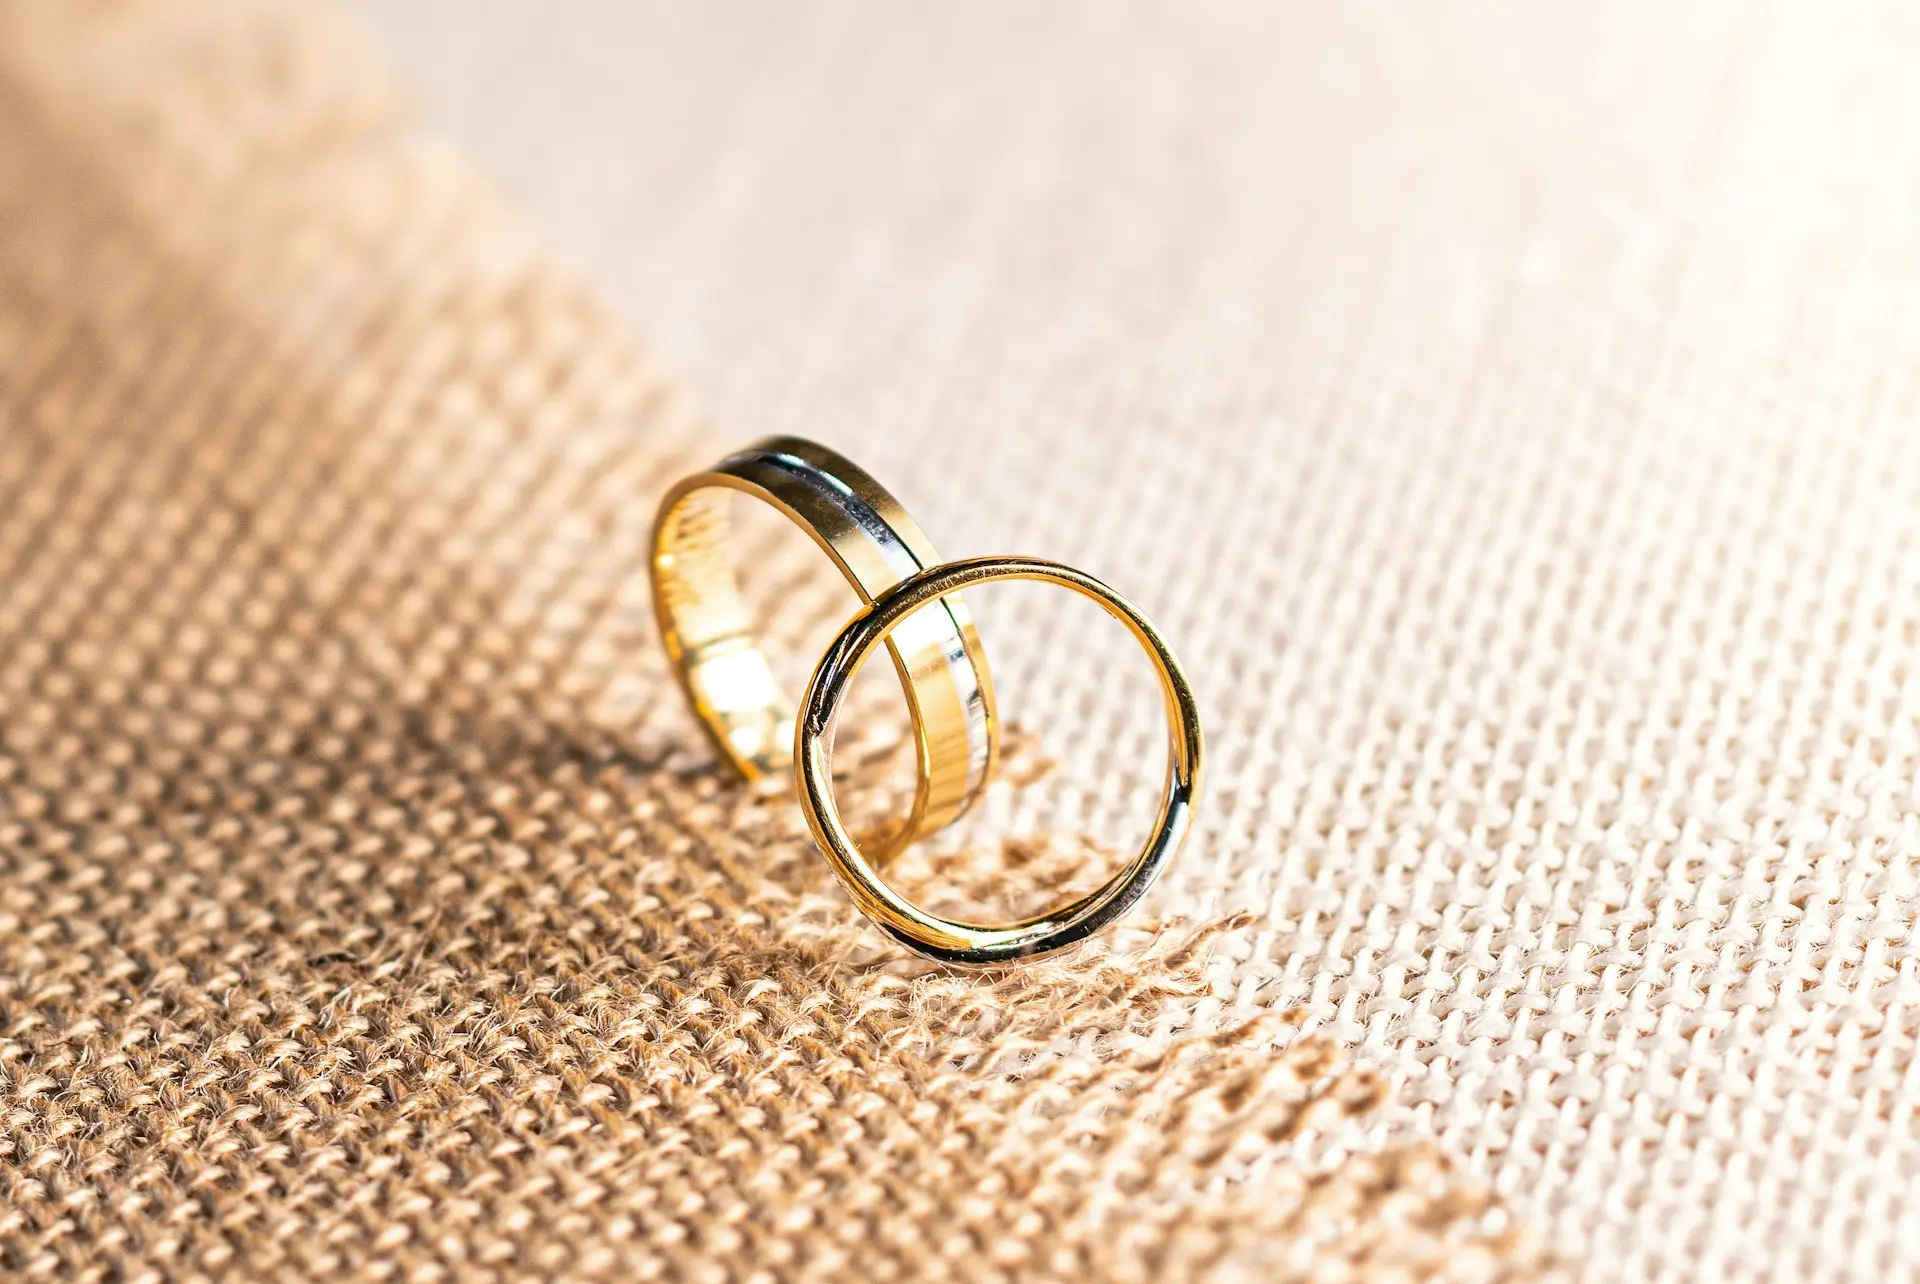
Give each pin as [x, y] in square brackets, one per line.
[726, 674]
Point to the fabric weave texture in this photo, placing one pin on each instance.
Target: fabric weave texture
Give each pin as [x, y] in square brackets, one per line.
[368, 906]
[1509, 415]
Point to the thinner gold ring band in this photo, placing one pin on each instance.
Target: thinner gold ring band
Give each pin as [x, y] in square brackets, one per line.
[945, 939]
[727, 679]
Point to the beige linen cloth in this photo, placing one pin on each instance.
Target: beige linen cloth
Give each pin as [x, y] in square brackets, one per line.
[1511, 415]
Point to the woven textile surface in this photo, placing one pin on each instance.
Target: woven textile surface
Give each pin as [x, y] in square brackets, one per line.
[369, 907]
[1510, 418]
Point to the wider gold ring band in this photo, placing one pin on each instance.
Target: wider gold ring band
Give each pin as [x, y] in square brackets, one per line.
[726, 678]
[945, 939]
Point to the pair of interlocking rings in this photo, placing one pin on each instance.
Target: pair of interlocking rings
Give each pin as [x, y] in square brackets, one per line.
[942, 668]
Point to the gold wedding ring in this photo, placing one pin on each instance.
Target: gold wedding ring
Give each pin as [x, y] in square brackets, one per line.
[946, 939]
[914, 609]
[726, 677]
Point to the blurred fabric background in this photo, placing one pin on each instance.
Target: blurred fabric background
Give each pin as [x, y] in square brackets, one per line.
[1511, 415]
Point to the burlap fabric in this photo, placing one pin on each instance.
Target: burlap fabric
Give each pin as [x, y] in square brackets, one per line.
[369, 907]
[1510, 418]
